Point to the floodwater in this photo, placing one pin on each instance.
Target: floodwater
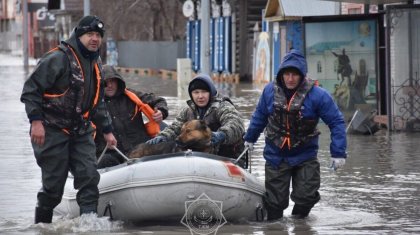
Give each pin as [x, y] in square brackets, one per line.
[377, 192]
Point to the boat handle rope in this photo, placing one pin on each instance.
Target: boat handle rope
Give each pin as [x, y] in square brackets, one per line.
[351, 121]
[240, 156]
[116, 149]
[248, 158]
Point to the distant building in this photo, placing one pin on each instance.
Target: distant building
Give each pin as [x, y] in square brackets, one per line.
[285, 27]
[41, 34]
[10, 29]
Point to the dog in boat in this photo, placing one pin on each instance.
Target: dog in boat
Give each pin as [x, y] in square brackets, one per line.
[195, 135]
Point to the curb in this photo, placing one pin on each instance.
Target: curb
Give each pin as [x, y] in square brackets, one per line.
[172, 75]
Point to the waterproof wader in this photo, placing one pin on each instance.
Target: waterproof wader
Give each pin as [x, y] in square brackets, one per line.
[60, 154]
[306, 181]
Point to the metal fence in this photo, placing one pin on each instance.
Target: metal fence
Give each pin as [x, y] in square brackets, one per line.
[403, 67]
[156, 55]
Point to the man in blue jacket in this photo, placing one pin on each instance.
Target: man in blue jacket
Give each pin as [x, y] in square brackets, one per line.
[289, 109]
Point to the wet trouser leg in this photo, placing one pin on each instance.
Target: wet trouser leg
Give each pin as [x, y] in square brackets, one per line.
[84, 169]
[306, 181]
[277, 184]
[52, 158]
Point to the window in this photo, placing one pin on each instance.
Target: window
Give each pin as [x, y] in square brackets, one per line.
[319, 67]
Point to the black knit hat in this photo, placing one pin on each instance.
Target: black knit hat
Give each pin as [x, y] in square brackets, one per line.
[89, 24]
[198, 84]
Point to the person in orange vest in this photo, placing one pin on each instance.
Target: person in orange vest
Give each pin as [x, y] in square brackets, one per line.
[127, 109]
[62, 97]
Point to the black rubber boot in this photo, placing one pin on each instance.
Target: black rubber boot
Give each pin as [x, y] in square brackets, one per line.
[273, 215]
[301, 212]
[43, 215]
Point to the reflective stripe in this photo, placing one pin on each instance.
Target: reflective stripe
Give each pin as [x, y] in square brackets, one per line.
[98, 86]
[55, 95]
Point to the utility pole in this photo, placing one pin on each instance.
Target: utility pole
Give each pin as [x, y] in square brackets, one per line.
[25, 35]
[205, 41]
[86, 7]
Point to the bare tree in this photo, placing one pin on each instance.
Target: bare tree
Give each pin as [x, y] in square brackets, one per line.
[142, 20]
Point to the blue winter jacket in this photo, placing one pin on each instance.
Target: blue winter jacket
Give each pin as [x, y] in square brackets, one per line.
[317, 104]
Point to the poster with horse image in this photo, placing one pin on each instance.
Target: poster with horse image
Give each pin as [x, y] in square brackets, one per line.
[342, 57]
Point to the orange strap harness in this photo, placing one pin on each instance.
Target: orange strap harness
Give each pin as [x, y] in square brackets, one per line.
[98, 86]
[287, 139]
[152, 127]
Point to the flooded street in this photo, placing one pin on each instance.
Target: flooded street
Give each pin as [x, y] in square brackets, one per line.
[377, 192]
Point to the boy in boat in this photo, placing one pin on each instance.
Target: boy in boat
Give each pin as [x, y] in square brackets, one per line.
[218, 112]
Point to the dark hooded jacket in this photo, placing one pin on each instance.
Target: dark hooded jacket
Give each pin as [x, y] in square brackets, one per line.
[220, 115]
[317, 104]
[52, 76]
[128, 125]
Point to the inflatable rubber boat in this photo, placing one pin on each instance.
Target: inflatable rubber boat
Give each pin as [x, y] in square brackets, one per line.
[167, 187]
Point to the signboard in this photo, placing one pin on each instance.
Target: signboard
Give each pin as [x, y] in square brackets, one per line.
[44, 17]
[341, 55]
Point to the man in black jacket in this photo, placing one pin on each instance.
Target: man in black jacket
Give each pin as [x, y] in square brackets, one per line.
[127, 117]
[62, 97]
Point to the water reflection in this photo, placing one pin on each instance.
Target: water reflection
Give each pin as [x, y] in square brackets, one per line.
[376, 192]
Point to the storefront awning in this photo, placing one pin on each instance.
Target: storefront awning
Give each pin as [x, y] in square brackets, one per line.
[281, 10]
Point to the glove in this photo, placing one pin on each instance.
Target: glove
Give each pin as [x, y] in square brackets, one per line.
[337, 163]
[217, 137]
[249, 145]
[156, 140]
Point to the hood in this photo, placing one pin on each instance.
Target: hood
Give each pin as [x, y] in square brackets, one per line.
[206, 79]
[293, 59]
[108, 72]
[72, 41]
